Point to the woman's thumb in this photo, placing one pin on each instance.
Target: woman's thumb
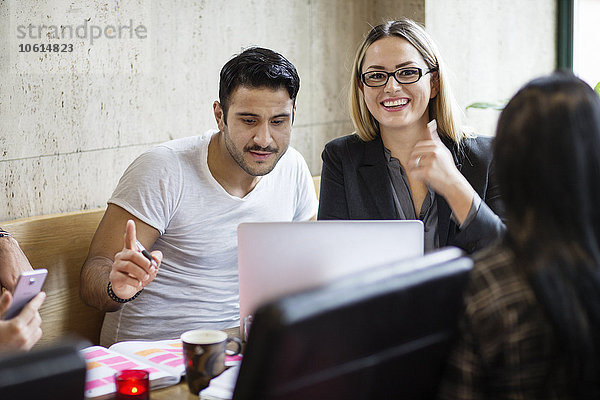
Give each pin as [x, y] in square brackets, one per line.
[5, 301]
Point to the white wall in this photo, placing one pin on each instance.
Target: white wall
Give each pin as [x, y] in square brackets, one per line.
[493, 47]
[70, 123]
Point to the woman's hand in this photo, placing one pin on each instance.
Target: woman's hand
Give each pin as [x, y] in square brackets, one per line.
[432, 163]
[13, 262]
[22, 331]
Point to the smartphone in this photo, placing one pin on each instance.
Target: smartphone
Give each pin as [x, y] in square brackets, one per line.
[28, 286]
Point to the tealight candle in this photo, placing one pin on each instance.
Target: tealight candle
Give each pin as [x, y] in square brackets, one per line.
[132, 384]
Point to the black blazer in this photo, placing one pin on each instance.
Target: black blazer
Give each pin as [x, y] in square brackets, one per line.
[355, 185]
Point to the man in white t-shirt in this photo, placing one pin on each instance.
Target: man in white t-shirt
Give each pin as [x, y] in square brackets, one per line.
[184, 200]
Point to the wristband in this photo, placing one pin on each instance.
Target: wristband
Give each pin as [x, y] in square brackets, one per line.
[3, 233]
[114, 297]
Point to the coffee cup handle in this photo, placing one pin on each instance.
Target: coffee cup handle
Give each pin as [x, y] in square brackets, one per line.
[239, 345]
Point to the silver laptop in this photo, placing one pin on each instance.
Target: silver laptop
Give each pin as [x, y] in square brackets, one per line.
[279, 258]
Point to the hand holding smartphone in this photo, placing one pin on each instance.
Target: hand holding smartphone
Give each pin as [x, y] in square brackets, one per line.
[28, 286]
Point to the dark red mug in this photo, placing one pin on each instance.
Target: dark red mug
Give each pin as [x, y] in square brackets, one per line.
[204, 356]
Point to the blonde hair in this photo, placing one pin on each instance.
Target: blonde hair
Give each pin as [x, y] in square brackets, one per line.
[442, 107]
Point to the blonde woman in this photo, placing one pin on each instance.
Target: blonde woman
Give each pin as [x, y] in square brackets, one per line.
[409, 157]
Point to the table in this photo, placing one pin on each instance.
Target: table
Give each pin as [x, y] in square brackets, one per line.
[181, 391]
[177, 392]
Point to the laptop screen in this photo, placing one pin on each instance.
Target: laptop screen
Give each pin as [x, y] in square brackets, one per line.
[279, 258]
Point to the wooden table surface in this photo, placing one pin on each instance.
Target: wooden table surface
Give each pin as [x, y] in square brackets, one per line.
[177, 392]
[181, 391]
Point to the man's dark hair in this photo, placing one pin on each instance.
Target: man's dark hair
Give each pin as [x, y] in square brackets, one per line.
[257, 67]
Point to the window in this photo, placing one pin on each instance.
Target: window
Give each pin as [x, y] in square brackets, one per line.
[586, 41]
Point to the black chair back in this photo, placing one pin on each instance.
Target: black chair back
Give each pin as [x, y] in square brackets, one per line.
[383, 333]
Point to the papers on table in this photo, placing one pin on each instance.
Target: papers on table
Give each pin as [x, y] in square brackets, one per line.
[221, 387]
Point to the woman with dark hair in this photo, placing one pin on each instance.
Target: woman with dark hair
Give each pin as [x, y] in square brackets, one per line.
[410, 157]
[531, 328]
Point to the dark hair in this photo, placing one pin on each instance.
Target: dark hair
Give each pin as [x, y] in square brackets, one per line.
[547, 154]
[257, 67]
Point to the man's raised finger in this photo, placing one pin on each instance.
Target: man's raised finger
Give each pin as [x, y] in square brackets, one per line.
[130, 235]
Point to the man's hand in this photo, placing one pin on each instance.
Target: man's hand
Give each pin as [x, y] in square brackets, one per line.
[113, 259]
[22, 331]
[12, 262]
[131, 271]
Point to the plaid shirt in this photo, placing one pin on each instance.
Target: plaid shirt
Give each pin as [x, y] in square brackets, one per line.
[506, 347]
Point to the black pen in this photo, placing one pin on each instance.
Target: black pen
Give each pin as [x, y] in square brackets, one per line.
[145, 252]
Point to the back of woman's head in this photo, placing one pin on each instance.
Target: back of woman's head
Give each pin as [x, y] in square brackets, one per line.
[547, 154]
[443, 107]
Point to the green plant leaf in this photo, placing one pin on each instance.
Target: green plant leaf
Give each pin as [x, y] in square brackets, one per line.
[496, 105]
[597, 88]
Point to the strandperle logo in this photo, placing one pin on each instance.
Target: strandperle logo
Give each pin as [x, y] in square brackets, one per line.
[82, 37]
[85, 30]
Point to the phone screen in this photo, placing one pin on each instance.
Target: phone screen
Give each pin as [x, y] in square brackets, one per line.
[28, 286]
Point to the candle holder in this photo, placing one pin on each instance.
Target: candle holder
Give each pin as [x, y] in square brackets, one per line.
[132, 384]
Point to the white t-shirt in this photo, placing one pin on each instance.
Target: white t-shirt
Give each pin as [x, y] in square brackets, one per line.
[171, 189]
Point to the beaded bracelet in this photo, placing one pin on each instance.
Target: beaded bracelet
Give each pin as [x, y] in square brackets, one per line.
[116, 298]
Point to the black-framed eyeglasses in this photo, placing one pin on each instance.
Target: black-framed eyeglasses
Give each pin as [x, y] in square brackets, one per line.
[403, 76]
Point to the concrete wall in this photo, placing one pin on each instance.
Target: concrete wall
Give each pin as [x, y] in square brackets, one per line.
[71, 122]
[492, 47]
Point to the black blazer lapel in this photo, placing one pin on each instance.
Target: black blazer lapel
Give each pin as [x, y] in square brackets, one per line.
[444, 210]
[373, 171]
[443, 220]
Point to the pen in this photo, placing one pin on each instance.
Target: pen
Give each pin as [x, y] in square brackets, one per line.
[145, 252]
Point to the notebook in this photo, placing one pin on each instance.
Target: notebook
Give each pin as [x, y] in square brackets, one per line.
[280, 258]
